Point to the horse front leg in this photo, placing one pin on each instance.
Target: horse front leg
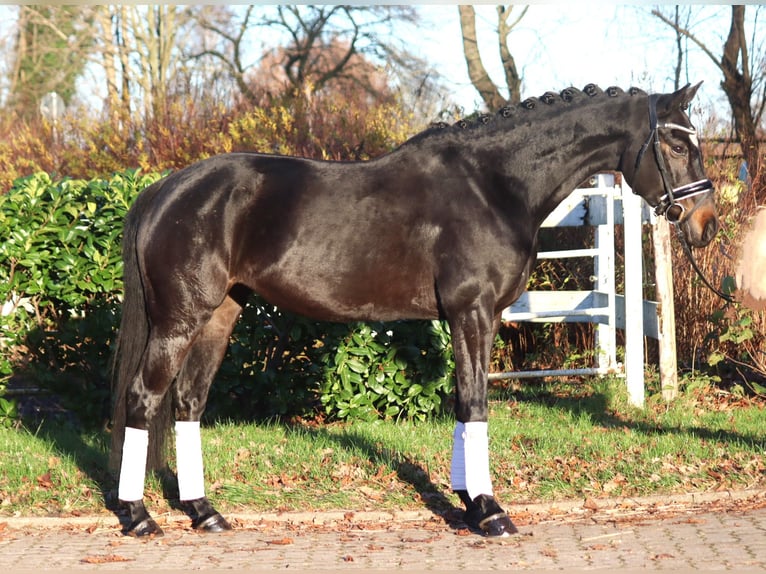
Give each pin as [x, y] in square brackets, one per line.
[472, 336]
[191, 391]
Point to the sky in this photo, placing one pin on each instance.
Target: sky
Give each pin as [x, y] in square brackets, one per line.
[560, 45]
[557, 45]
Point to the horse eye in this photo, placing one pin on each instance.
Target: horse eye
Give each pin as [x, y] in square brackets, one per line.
[678, 150]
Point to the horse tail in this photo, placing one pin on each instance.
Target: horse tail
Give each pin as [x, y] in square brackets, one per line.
[131, 342]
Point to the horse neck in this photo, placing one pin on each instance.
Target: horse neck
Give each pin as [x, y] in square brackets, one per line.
[549, 157]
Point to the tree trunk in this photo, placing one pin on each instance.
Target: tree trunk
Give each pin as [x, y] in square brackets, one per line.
[476, 71]
[512, 78]
[738, 86]
[104, 17]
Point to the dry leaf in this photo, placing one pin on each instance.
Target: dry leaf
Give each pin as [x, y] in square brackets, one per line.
[44, 480]
[281, 542]
[590, 504]
[108, 558]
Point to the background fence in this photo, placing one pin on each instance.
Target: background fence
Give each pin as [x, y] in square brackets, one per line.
[602, 207]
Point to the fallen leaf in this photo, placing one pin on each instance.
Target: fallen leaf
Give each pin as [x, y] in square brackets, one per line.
[550, 552]
[590, 504]
[44, 480]
[662, 556]
[280, 542]
[106, 559]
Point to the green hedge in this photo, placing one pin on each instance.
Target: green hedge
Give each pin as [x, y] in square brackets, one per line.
[60, 290]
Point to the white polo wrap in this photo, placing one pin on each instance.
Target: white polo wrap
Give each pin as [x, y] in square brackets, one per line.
[470, 459]
[191, 479]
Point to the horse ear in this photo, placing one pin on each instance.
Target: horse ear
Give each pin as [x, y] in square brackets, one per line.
[678, 100]
[686, 94]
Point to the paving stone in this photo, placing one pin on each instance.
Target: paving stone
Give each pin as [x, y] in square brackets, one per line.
[715, 541]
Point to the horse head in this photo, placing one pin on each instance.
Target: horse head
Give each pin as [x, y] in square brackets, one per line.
[671, 177]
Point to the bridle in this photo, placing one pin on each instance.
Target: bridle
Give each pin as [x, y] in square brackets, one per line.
[668, 205]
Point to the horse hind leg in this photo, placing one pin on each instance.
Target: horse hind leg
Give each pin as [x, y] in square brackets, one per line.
[146, 403]
[190, 397]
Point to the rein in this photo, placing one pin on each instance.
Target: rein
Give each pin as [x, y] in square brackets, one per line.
[674, 212]
[690, 257]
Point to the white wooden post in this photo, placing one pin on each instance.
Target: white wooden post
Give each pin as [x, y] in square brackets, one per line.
[663, 272]
[634, 308]
[604, 306]
[606, 333]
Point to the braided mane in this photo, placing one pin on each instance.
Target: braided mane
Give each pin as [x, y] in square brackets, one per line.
[547, 100]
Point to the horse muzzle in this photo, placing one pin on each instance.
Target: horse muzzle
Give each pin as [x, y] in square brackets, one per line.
[699, 223]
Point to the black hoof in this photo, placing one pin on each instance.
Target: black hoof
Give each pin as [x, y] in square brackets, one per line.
[205, 517]
[139, 522]
[498, 525]
[213, 524]
[146, 527]
[484, 514]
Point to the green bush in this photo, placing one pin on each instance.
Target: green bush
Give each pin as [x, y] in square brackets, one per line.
[390, 370]
[61, 287]
[280, 364]
[61, 281]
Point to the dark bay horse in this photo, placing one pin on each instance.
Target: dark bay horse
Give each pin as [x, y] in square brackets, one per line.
[445, 226]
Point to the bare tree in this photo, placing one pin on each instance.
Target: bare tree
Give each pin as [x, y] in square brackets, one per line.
[225, 43]
[49, 53]
[680, 47]
[744, 79]
[138, 48]
[323, 44]
[489, 91]
[359, 29]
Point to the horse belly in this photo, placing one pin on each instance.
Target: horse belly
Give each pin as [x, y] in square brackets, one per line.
[331, 295]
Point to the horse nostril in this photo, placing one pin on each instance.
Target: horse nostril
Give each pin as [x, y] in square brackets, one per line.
[711, 228]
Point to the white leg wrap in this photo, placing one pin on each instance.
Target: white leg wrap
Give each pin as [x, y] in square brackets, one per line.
[191, 479]
[133, 467]
[470, 459]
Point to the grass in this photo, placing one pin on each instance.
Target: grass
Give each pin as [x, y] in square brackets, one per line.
[548, 442]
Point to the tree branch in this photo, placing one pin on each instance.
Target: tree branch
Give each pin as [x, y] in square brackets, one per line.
[476, 70]
[684, 31]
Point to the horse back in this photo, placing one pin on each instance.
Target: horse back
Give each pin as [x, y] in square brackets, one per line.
[329, 240]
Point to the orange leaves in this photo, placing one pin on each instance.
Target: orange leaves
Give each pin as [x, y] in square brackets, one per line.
[105, 559]
[280, 542]
[44, 481]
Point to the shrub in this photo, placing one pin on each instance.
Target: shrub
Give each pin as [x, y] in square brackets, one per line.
[279, 364]
[61, 287]
[61, 277]
[389, 370]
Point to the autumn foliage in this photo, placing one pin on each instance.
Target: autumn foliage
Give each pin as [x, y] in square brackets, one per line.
[84, 145]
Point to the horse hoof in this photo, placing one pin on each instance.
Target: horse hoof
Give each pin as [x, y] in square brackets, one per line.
[146, 527]
[498, 525]
[483, 514]
[213, 524]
